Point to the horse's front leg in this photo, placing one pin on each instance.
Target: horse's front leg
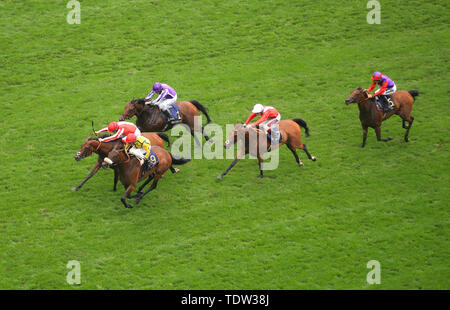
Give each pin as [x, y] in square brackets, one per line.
[93, 171]
[116, 178]
[220, 176]
[378, 132]
[125, 195]
[364, 136]
[260, 164]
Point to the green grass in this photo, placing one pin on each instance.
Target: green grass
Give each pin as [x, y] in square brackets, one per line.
[313, 227]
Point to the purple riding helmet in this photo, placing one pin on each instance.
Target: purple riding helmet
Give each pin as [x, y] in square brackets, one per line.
[157, 87]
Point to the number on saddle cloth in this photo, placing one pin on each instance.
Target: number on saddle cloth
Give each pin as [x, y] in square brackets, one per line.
[151, 162]
[385, 103]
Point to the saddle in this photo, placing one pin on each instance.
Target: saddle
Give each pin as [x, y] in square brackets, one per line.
[385, 103]
[172, 115]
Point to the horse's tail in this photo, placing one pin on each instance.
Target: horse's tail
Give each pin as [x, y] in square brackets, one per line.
[201, 108]
[164, 136]
[179, 161]
[414, 93]
[303, 124]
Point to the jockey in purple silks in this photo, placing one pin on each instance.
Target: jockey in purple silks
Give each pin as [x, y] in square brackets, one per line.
[167, 96]
[387, 86]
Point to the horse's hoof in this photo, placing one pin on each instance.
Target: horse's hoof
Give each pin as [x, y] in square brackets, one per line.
[313, 158]
[260, 176]
[300, 164]
[406, 140]
[211, 140]
[129, 206]
[75, 188]
[389, 138]
[220, 176]
[176, 170]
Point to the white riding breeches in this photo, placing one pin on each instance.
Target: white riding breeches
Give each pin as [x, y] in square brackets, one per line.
[389, 91]
[270, 123]
[163, 104]
[139, 153]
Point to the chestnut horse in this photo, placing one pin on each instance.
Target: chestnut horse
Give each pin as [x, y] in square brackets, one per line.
[150, 118]
[129, 170]
[371, 116]
[290, 133]
[92, 145]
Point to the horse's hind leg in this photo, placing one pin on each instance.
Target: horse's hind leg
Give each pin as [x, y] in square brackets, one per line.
[297, 159]
[139, 192]
[313, 158]
[205, 135]
[195, 138]
[410, 121]
[152, 187]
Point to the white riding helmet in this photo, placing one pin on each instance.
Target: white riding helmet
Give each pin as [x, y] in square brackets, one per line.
[258, 108]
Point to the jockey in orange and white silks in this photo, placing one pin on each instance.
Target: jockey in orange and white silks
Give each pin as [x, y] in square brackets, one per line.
[387, 86]
[121, 129]
[268, 121]
[269, 117]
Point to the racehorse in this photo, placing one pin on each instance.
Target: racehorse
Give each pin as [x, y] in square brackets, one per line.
[129, 170]
[371, 116]
[150, 118]
[92, 145]
[290, 133]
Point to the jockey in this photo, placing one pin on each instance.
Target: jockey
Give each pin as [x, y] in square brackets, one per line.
[139, 146]
[121, 129]
[268, 121]
[167, 96]
[387, 86]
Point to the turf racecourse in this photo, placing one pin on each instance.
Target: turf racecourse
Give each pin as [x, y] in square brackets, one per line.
[314, 227]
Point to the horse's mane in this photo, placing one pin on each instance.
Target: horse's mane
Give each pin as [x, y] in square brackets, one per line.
[139, 100]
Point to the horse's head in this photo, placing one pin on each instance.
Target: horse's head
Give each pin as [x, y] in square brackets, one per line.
[239, 130]
[356, 96]
[134, 107]
[87, 148]
[116, 156]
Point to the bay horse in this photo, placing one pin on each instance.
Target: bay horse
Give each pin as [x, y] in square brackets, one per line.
[290, 131]
[371, 116]
[92, 145]
[129, 170]
[150, 118]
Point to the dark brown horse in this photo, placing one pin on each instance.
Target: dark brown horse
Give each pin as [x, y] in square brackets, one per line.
[129, 170]
[290, 133]
[92, 145]
[371, 116]
[150, 118]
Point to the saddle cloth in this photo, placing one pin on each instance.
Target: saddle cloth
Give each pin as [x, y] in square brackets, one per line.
[385, 103]
[175, 112]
